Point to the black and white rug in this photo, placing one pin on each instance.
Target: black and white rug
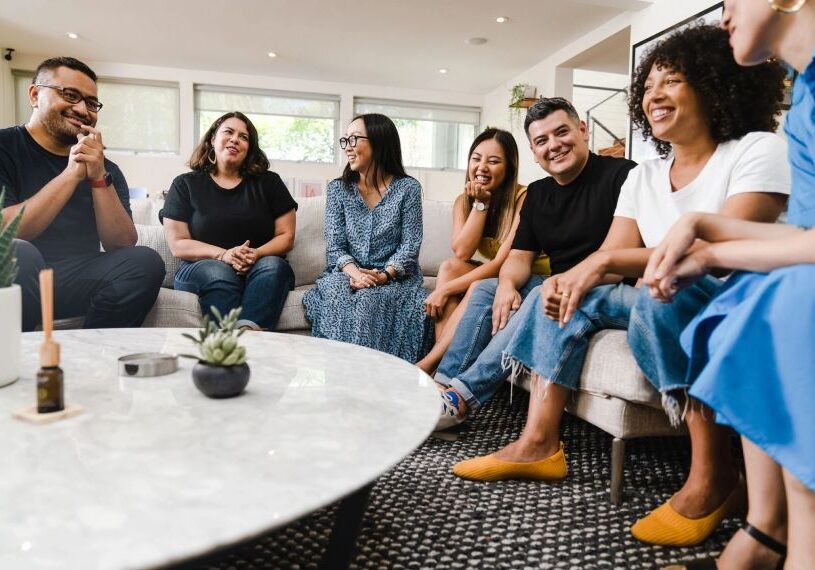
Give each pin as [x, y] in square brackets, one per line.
[422, 516]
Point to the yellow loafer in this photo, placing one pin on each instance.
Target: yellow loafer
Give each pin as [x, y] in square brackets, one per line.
[490, 468]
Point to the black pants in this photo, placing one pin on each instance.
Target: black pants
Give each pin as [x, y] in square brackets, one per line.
[115, 289]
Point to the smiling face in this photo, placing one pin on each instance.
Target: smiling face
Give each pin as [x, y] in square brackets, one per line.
[672, 106]
[231, 143]
[560, 145]
[62, 120]
[359, 157]
[488, 165]
[754, 28]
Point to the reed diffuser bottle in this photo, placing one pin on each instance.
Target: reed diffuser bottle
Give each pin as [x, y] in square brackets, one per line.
[50, 391]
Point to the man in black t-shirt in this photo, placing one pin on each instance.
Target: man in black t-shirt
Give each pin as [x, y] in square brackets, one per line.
[566, 215]
[74, 198]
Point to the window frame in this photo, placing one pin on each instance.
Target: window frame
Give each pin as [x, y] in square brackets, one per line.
[282, 94]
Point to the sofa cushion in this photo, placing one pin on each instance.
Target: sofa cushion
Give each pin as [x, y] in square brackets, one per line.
[307, 258]
[610, 370]
[293, 317]
[174, 309]
[153, 237]
[438, 232]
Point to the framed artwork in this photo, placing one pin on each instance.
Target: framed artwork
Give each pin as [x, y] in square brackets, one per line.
[310, 188]
[639, 149]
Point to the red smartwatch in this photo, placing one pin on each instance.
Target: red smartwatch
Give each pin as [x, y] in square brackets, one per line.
[103, 182]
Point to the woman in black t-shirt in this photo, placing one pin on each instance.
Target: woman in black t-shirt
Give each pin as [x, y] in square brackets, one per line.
[231, 221]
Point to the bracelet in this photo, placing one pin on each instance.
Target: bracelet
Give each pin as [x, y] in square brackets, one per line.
[223, 253]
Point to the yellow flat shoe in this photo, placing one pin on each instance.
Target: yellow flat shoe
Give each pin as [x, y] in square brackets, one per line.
[666, 527]
[490, 468]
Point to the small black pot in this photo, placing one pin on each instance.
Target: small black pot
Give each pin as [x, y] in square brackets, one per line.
[218, 381]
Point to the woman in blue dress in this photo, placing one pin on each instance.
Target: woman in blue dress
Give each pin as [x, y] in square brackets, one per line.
[752, 356]
[371, 292]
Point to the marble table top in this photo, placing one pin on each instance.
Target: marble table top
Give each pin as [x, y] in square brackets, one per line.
[154, 472]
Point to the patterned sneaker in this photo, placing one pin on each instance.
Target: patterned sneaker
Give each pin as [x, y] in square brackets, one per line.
[452, 410]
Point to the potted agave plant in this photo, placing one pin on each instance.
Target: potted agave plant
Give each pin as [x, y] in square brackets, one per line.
[10, 301]
[221, 370]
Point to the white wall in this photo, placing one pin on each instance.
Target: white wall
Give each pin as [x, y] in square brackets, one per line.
[552, 79]
[155, 172]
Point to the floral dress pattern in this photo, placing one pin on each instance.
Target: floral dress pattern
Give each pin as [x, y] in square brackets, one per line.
[390, 317]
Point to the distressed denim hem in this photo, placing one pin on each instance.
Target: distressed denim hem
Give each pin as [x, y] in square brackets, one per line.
[517, 367]
[671, 405]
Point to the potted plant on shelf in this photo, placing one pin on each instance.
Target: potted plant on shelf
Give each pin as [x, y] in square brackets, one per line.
[10, 301]
[221, 370]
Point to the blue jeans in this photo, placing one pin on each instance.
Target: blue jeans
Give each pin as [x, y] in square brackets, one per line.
[472, 364]
[261, 292]
[557, 355]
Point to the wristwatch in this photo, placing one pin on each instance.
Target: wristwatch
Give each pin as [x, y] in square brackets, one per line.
[479, 205]
[103, 182]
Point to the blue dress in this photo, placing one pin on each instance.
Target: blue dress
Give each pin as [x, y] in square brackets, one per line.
[752, 350]
[391, 317]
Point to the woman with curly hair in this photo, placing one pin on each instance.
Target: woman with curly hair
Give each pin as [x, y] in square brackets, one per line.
[712, 122]
[751, 348]
[231, 222]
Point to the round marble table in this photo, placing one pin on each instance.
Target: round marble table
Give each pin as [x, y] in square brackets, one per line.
[153, 472]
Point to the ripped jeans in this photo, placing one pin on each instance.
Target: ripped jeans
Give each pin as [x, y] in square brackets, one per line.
[541, 346]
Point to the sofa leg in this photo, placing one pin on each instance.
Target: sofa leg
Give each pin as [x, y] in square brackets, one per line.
[617, 461]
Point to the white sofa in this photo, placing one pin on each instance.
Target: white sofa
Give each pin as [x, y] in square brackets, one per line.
[613, 395]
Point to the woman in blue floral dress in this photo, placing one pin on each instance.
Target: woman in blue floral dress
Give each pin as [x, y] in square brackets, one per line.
[751, 350]
[371, 292]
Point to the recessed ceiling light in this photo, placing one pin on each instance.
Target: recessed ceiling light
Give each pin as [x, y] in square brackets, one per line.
[477, 41]
[73, 36]
[272, 54]
[443, 70]
[502, 19]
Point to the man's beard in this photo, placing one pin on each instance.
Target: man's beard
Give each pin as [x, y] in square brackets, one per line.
[57, 126]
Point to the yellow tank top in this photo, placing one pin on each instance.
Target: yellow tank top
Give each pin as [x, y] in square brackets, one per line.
[489, 246]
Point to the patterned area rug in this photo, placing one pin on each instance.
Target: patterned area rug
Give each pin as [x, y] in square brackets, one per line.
[422, 516]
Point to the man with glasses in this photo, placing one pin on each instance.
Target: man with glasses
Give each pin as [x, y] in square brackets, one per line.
[73, 198]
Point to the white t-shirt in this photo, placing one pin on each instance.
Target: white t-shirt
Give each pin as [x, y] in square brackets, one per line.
[757, 162]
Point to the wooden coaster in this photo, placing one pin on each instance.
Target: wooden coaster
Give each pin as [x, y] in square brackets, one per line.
[31, 415]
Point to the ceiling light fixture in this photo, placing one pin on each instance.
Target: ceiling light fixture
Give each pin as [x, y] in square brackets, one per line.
[443, 70]
[477, 41]
[272, 54]
[73, 36]
[502, 19]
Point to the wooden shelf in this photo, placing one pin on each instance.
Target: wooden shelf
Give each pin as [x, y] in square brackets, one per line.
[524, 103]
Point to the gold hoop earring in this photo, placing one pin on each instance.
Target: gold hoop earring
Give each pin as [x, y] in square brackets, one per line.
[787, 10]
[211, 156]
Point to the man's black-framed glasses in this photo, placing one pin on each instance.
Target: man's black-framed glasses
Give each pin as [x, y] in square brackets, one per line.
[73, 96]
[350, 141]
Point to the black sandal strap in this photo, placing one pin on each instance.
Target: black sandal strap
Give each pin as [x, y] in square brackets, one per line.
[766, 540]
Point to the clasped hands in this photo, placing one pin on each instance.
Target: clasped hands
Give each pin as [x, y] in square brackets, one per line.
[361, 278]
[241, 257]
[679, 260]
[477, 192]
[86, 159]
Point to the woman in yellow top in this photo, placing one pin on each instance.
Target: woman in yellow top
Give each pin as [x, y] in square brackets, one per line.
[485, 217]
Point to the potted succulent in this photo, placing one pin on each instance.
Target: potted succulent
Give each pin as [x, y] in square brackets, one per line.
[10, 301]
[221, 370]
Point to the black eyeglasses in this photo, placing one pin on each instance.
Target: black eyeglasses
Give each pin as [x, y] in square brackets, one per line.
[73, 96]
[350, 141]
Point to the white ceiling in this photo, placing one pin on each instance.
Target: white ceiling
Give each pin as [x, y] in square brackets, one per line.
[400, 43]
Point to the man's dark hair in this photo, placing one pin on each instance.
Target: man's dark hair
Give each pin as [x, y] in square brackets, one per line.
[56, 62]
[544, 107]
[735, 100]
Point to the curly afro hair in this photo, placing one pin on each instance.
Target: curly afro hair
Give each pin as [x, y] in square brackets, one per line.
[736, 100]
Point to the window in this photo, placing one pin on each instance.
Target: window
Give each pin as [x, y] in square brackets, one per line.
[432, 136]
[297, 127]
[137, 116]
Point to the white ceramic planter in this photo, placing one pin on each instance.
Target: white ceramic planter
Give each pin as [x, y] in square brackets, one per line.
[11, 323]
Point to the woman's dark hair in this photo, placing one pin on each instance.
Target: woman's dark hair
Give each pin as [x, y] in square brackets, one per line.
[502, 202]
[736, 100]
[386, 151]
[255, 162]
